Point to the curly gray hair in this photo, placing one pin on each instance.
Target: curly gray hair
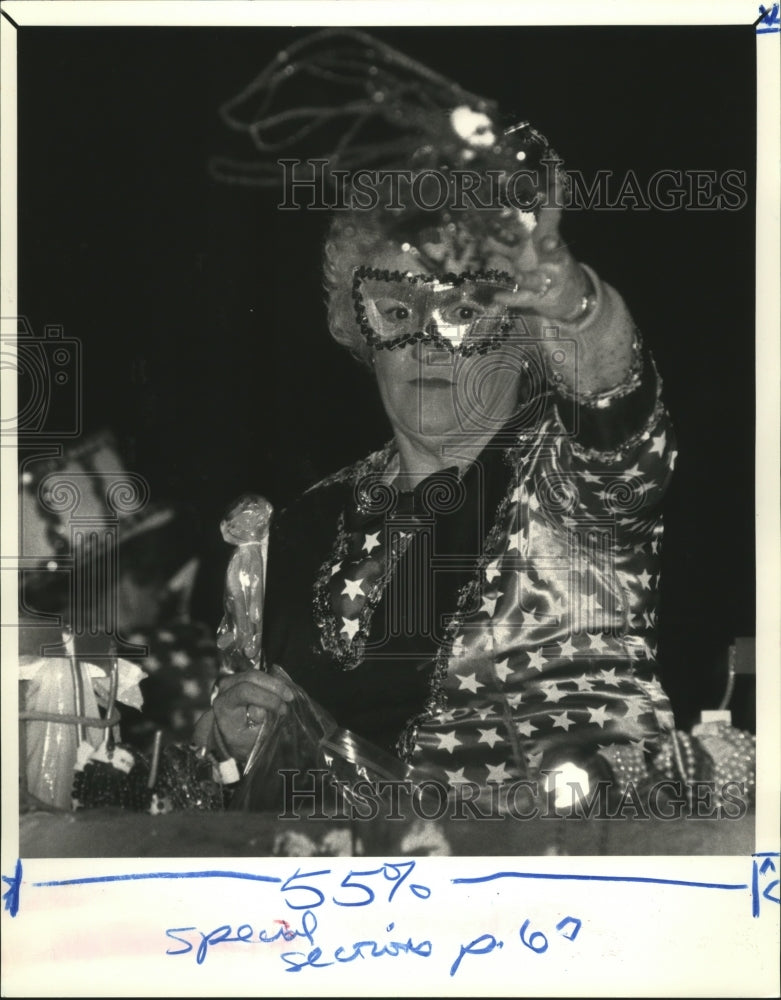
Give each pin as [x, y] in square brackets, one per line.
[351, 241]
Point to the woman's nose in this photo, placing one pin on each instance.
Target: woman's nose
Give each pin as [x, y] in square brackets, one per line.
[425, 353]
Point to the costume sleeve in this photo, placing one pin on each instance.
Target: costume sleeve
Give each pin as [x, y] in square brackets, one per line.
[616, 452]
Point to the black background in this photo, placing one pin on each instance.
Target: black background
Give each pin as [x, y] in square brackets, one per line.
[200, 310]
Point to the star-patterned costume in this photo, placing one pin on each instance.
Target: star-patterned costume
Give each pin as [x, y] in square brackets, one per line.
[493, 621]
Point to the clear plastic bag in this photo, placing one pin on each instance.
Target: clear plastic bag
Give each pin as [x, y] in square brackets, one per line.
[59, 698]
[50, 689]
[240, 632]
[306, 740]
[283, 743]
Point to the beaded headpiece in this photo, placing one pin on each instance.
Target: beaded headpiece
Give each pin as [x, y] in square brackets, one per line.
[340, 101]
[345, 96]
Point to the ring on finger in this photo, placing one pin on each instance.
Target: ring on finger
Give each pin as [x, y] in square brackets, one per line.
[547, 282]
[251, 724]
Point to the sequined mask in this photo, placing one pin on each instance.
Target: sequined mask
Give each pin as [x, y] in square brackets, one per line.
[461, 313]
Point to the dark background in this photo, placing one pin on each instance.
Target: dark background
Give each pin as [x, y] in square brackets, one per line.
[200, 310]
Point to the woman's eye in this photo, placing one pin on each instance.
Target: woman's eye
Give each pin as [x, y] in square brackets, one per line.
[466, 312]
[392, 311]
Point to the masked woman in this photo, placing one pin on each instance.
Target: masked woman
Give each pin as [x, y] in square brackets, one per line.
[478, 597]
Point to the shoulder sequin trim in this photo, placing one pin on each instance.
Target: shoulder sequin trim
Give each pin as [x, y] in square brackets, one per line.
[631, 444]
[376, 461]
[349, 652]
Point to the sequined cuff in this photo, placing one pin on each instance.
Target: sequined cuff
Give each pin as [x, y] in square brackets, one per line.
[607, 426]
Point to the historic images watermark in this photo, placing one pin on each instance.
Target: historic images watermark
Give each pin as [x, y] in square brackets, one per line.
[311, 185]
[313, 794]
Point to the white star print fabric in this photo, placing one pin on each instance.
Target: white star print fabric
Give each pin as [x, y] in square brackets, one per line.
[555, 659]
[549, 651]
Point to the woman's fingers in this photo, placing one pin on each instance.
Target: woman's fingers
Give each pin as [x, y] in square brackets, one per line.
[531, 290]
[203, 728]
[549, 215]
[256, 715]
[547, 228]
[553, 284]
[252, 685]
[552, 291]
[244, 706]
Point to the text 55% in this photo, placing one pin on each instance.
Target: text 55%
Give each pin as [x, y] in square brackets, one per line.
[357, 888]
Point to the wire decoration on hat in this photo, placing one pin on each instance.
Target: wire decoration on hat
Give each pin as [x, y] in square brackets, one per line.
[349, 101]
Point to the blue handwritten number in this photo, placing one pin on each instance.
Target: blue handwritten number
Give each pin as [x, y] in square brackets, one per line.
[541, 944]
[397, 872]
[421, 891]
[573, 925]
[348, 884]
[287, 887]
